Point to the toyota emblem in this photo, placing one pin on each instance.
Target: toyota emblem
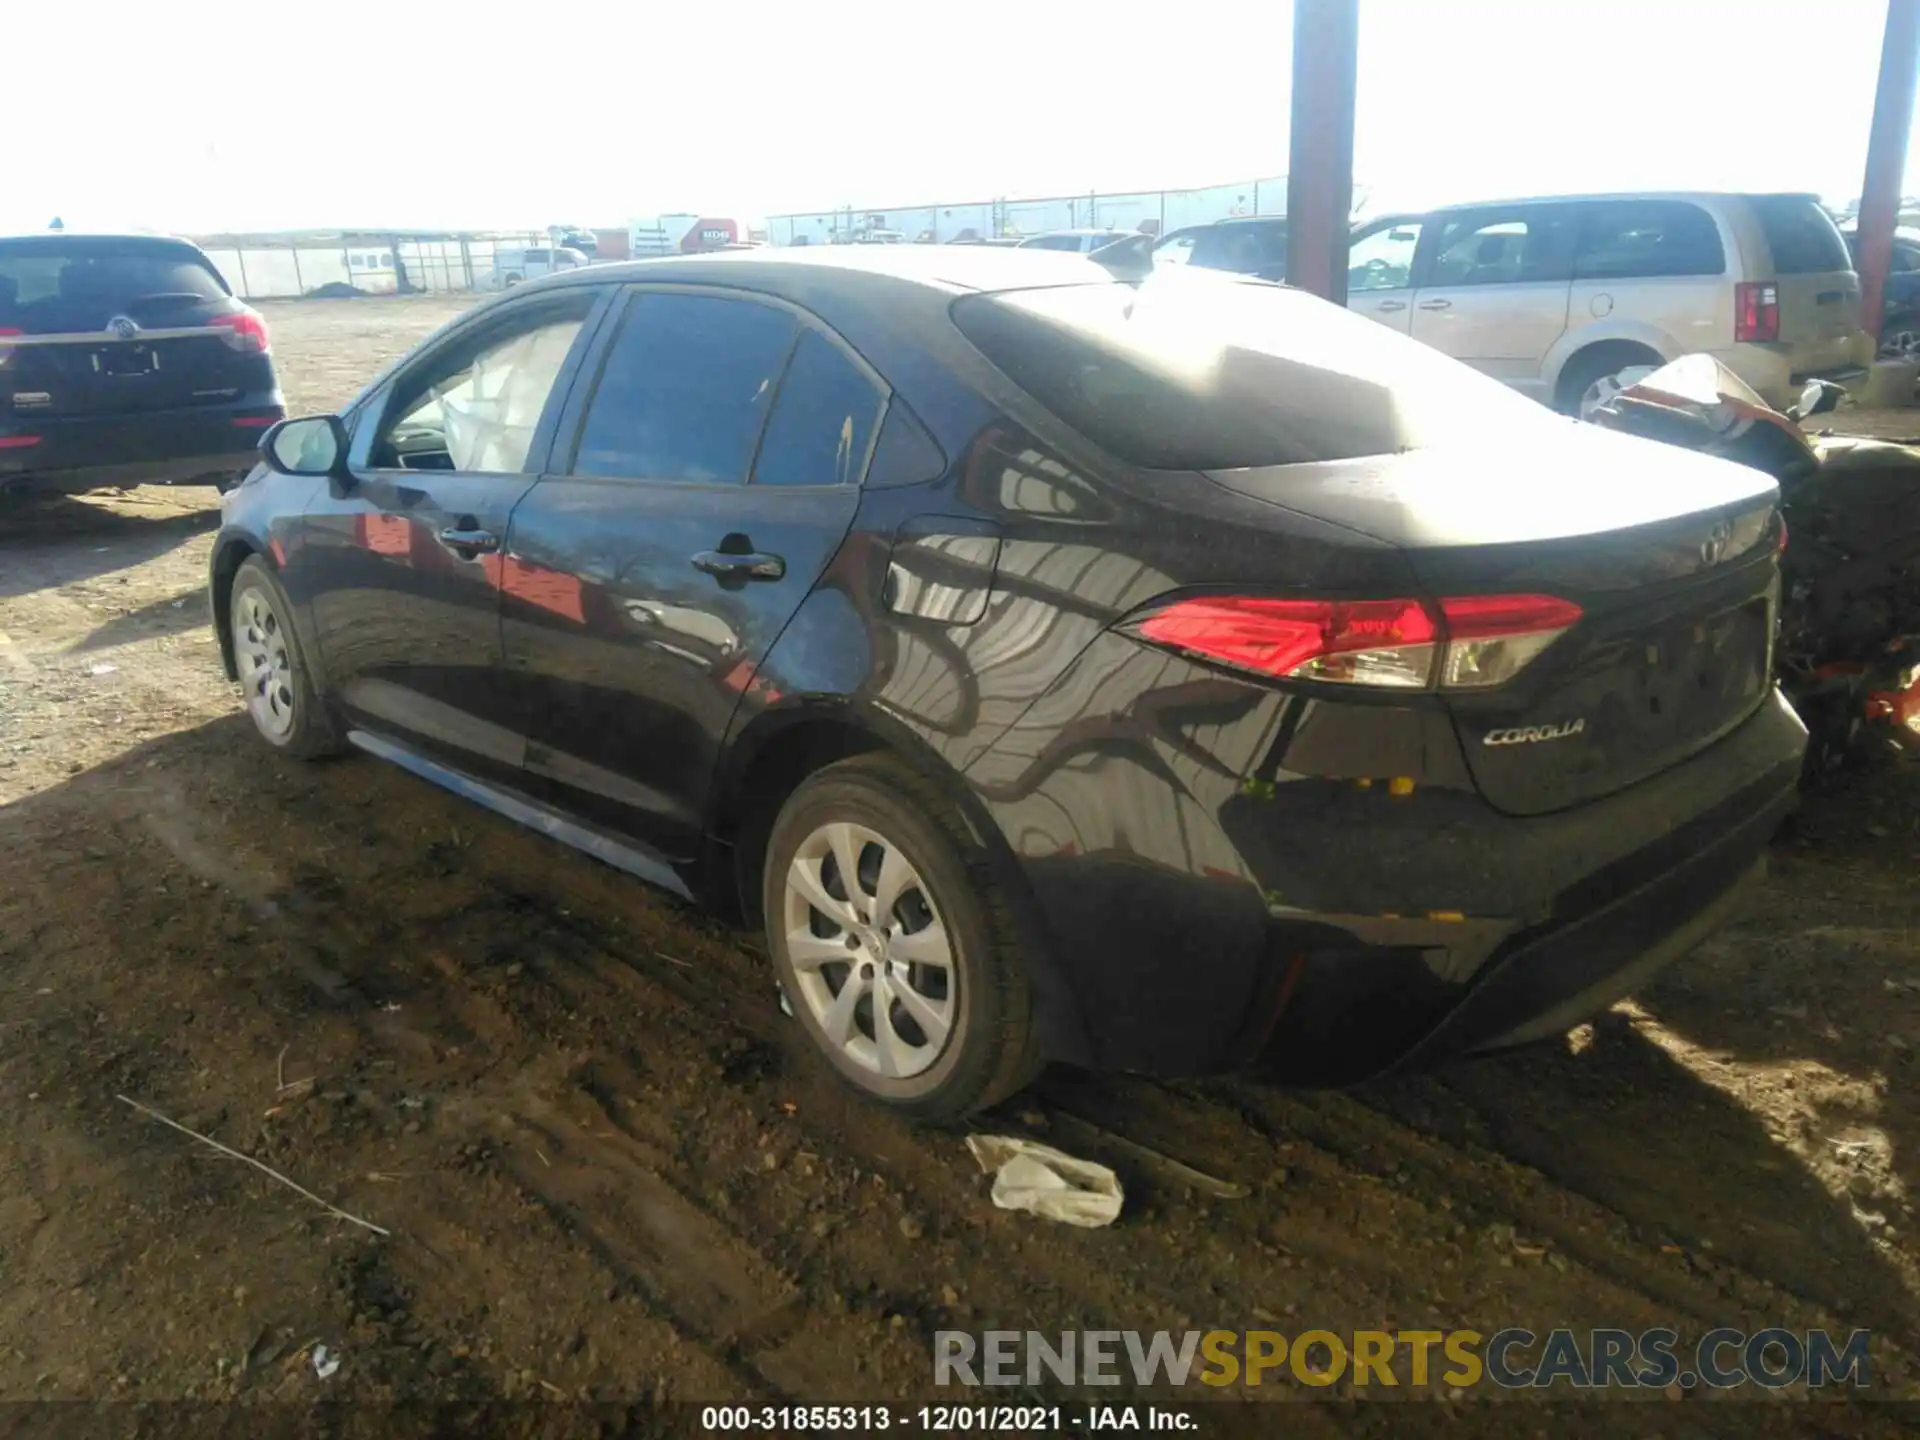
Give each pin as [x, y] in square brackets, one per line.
[123, 326]
[1713, 549]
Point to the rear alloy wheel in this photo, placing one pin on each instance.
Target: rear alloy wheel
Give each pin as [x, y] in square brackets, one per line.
[890, 944]
[1602, 389]
[272, 669]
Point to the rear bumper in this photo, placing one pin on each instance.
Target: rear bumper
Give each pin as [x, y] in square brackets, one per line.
[1778, 372]
[1215, 884]
[155, 447]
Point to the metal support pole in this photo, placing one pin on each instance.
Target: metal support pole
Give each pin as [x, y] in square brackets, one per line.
[1326, 44]
[1887, 157]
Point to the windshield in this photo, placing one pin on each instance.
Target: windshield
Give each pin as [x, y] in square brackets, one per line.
[1188, 371]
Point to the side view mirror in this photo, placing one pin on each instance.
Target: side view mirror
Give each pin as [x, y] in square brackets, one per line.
[1817, 398]
[315, 446]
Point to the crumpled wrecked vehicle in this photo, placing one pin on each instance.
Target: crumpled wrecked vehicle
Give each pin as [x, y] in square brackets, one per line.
[1848, 647]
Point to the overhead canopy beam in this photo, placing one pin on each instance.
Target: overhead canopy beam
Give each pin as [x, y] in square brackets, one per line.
[1326, 46]
[1887, 157]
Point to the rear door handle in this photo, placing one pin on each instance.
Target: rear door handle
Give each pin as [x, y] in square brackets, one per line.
[1387, 305]
[1436, 304]
[751, 566]
[468, 543]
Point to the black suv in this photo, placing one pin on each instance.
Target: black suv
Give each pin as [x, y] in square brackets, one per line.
[1256, 246]
[124, 360]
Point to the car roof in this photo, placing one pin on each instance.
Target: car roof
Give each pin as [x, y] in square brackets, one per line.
[944, 267]
[55, 236]
[1075, 230]
[1695, 196]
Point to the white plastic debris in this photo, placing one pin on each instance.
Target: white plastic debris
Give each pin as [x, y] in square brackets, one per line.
[325, 1362]
[1047, 1182]
[101, 669]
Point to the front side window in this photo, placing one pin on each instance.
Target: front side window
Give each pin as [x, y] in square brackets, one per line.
[685, 389]
[1383, 259]
[823, 419]
[1632, 239]
[476, 405]
[1504, 247]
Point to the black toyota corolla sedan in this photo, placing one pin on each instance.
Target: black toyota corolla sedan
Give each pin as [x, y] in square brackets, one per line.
[1168, 673]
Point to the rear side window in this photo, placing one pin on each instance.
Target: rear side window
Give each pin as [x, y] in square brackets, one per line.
[684, 390]
[1190, 371]
[1632, 239]
[823, 419]
[49, 283]
[1803, 239]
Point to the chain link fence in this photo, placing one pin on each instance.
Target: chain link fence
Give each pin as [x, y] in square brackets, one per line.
[268, 267]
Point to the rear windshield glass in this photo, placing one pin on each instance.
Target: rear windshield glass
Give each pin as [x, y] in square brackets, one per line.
[79, 280]
[1189, 371]
[1804, 241]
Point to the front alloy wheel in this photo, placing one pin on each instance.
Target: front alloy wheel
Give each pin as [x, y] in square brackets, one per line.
[273, 674]
[266, 667]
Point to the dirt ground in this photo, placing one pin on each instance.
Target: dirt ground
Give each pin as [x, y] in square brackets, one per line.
[605, 1168]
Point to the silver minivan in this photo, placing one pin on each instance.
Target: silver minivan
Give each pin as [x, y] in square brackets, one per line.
[1566, 298]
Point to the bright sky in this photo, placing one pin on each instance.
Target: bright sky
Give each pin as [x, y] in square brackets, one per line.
[205, 115]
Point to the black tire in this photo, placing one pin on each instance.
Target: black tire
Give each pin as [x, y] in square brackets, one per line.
[1593, 365]
[311, 732]
[229, 482]
[989, 1051]
[1905, 323]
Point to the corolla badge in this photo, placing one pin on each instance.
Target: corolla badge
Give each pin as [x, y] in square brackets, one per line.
[1534, 734]
[1713, 549]
[124, 326]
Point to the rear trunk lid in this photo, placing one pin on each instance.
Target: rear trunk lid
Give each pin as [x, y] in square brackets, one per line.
[1819, 293]
[109, 325]
[1668, 554]
[1302, 405]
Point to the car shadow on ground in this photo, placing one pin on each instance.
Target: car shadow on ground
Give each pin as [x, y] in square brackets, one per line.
[87, 539]
[1762, 1097]
[165, 616]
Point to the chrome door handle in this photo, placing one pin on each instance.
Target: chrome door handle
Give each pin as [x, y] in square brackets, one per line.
[468, 543]
[1387, 305]
[1436, 304]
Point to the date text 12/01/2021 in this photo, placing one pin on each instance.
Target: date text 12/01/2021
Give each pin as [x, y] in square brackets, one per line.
[942, 1419]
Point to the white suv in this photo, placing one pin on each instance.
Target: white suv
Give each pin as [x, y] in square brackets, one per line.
[510, 267]
[1568, 297]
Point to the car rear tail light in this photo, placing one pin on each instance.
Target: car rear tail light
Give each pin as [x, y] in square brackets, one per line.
[1756, 311]
[246, 331]
[1780, 540]
[18, 442]
[1491, 638]
[1464, 642]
